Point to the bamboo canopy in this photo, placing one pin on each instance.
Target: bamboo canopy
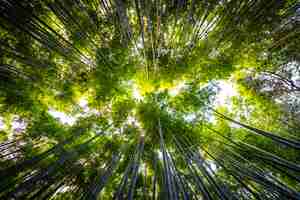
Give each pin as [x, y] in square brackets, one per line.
[150, 99]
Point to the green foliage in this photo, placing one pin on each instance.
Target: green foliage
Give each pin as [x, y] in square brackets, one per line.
[100, 99]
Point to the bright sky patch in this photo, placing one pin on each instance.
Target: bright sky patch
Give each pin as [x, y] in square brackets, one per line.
[227, 90]
[62, 117]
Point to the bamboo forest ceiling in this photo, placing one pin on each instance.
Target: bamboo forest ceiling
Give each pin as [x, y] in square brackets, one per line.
[150, 99]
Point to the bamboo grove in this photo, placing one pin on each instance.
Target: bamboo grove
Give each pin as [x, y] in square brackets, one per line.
[150, 99]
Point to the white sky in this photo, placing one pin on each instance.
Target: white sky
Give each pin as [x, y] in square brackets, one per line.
[83, 102]
[177, 89]
[212, 165]
[227, 90]
[190, 117]
[71, 119]
[136, 93]
[18, 124]
[62, 117]
[2, 124]
[160, 155]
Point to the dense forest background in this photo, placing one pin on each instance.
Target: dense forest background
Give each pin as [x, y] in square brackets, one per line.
[150, 99]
